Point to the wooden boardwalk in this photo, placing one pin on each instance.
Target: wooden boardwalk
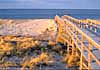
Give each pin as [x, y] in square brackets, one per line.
[81, 35]
[92, 31]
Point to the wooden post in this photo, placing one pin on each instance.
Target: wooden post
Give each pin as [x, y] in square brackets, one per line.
[81, 60]
[91, 26]
[81, 25]
[95, 29]
[68, 49]
[82, 50]
[89, 57]
[72, 48]
[76, 40]
[87, 25]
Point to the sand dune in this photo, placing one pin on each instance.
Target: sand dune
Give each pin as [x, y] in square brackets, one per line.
[28, 27]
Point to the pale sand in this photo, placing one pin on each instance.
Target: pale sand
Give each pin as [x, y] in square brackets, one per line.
[30, 27]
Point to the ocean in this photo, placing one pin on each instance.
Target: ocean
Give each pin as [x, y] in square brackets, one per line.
[48, 13]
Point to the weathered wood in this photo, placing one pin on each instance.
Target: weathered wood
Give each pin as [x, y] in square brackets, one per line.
[73, 38]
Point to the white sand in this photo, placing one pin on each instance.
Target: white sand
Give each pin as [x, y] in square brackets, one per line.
[28, 27]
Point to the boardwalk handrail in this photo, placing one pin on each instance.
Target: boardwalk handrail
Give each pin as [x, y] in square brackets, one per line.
[89, 40]
[71, 29]
[87, 37]
[84, 22]
[93, 21]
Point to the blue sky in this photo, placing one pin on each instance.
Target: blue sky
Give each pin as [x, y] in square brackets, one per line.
[50, 4]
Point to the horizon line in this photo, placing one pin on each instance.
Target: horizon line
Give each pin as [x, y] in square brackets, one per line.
[47, 8]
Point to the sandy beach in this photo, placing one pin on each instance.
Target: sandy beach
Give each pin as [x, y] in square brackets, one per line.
[28, 27]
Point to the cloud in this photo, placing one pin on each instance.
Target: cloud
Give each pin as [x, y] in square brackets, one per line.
[67, 4]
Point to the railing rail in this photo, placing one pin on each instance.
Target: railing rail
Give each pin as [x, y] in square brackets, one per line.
[87, 23]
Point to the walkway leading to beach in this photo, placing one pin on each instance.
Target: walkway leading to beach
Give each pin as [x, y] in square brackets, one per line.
[83, 36]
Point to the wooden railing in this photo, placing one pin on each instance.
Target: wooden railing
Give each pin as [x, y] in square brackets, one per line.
[86, 23]
[70, 33]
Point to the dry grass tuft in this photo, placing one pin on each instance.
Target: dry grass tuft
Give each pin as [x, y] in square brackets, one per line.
[35, 61]
[72, 60]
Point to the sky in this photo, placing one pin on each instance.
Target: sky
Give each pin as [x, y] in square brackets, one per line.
[49, 4]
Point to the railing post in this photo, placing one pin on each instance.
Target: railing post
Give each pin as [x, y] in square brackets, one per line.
[81, 25]
[82, 50]
[68, 49]
[81, 61]
[95, 29]
[76, 33]
[72, 48]
[89, 57]
[91, 26]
